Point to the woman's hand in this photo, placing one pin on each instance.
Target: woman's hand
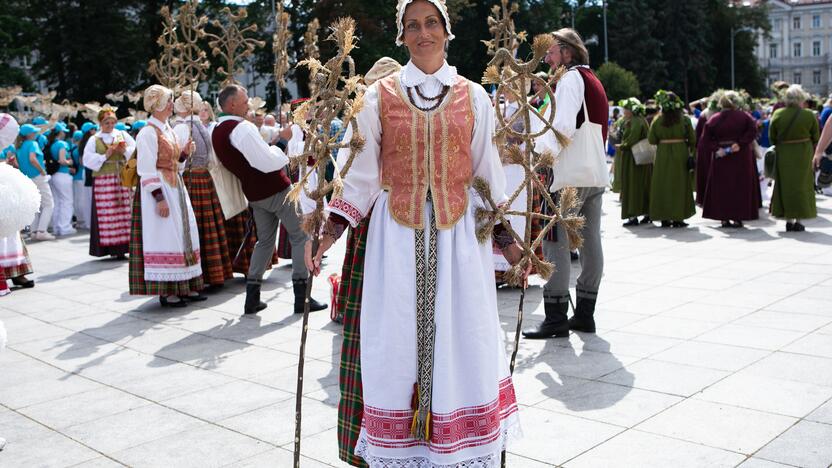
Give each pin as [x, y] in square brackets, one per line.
[162, 208]
[816, 161]
[314, 264]
[735, 147]
[190, 147]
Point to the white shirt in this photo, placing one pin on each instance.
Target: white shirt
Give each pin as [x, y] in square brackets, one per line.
[246, 138]
[569, 97]
[268, 132]
[93, 160]
[363, 182]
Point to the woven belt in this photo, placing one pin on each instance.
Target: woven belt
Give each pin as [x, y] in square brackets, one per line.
[790, 142]
[670, 141]
[190, 257]
[425, 330]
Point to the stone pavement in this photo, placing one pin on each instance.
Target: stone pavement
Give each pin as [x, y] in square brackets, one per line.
[714, 349]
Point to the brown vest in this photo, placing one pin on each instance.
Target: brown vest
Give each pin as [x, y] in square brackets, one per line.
[423, 151]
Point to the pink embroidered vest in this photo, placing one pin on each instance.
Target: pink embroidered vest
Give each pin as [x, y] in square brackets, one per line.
[167, 158]
[423, 151]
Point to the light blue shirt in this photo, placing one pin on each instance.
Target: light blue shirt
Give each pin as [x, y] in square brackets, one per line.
[27, 147]
[55, 150]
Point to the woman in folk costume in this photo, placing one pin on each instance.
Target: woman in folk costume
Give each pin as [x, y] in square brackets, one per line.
[61, 181]
[106, 154]
[671, 192]
[216, 260]
[433, 394]
[731, 192]
[795, 132]
[635, 178]
[164, 244]
[20, 200]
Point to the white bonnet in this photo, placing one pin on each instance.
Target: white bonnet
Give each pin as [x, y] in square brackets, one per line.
[402, 6]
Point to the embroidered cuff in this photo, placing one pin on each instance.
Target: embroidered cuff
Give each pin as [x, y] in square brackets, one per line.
[343, 208]
[502, 237]
[158, 195]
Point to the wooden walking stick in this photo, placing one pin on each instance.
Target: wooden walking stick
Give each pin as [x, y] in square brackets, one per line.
[337, 92]
[513, 78]
[280, 47]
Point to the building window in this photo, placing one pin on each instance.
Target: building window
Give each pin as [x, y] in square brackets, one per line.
[815, 21]
[775, 76]
[816, 77]
[796, 22]
[797, 50]
[798, 78]
[772, 51]
[778, 25]
[816, 49]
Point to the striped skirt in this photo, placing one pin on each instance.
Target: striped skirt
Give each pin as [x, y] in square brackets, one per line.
[216, 260]
[351, 406]
[110, 224]
[138, 285]
[14, 258]
[237, 235]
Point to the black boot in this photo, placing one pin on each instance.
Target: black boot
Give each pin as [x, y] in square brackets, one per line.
[253, 303]
[300, 297]
[555, 324]
[583, 320]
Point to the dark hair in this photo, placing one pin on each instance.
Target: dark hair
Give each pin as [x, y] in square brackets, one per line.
[227, 93]
[671, 117]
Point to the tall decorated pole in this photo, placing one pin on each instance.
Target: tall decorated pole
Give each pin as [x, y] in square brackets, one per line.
[194, 60]
[310, 46]
[232, 44]
[512, 78]
[280, 46]
[337, 92]
[501, 27]
[167, 69]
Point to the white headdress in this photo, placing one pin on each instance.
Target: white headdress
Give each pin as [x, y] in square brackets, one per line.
[188, 101]
[156, 98]
[402, 6]
[8, 130]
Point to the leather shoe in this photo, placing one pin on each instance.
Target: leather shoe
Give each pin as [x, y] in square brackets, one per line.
[584, 318]
[253, 303]
[631, 222]
[554, 325]
[299, 286]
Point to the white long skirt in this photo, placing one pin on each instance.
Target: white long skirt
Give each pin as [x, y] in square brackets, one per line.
[473, 406]
[163, 239]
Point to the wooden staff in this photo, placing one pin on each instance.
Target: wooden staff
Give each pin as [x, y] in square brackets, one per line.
[232, 43]
[167, 69]
[280, 44]
[336, 93]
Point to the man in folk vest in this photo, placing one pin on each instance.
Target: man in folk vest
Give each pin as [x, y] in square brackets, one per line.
[260, 168]
[578, 85]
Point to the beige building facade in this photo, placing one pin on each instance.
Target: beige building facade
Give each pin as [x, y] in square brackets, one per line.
[799, 49]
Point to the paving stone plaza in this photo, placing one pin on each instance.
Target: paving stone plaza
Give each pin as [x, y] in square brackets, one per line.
[714, 349]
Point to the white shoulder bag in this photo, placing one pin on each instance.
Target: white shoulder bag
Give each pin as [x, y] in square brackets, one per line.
[583, 163]
[229, 189]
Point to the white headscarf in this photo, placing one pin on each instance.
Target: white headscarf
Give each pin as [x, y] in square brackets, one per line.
[8, 130]
[188, 101]
[156, 98]
[439, 4]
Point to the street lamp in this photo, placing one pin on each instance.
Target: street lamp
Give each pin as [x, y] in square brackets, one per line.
[734, 32]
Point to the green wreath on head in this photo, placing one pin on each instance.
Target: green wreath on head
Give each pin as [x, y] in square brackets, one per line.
[668, 101]
[633, 105]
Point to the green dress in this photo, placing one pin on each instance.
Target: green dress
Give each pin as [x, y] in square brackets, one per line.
[617, 178]
[635, 179]
[671, 188]
[794, 181]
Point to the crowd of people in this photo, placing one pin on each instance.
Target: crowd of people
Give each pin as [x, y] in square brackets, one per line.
[728, 155]
[192, 199]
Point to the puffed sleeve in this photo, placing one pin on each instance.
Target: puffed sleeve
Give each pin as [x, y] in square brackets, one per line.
[147, 153]
[182, 133]
[363, 181]
[130, 145]
[92, 159]
[484, 153]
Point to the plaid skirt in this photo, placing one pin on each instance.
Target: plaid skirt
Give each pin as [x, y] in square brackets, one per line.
[236, 229]
[138, 285]
[110, 215]
[351, 406]
[216, 260]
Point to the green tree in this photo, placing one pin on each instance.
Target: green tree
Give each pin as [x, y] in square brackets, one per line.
[16, 35]
[618, 82]
[633, 44]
